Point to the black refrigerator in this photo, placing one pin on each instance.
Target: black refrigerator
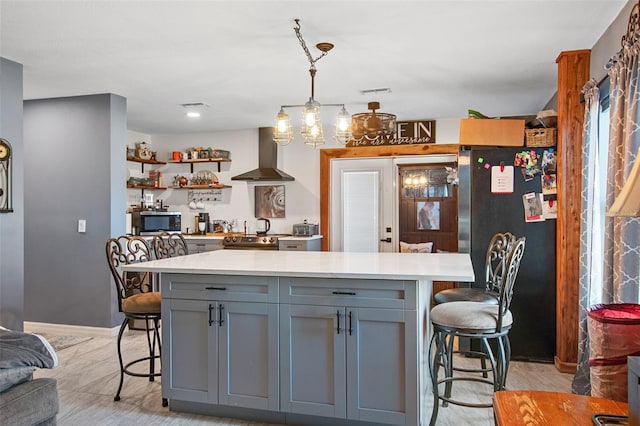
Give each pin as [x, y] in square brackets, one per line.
[483, 214]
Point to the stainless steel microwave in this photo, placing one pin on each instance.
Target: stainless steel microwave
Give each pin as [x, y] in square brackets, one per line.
[151, 222]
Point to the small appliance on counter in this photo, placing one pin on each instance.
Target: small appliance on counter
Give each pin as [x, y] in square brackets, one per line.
[151, 222]
[305, 229]
[203, 223]
[262, 226]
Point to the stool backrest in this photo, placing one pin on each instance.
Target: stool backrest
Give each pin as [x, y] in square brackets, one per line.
[498, 252]
[167, 245]
[125, 250]
[506, 292]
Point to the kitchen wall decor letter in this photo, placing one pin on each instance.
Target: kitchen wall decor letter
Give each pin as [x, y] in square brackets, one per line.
[5, 176]
[270, 201]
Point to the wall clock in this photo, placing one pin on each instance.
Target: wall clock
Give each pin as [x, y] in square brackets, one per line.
[5, 176]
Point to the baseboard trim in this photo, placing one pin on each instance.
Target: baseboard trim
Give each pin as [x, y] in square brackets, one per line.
[565, 367]
[71, 330]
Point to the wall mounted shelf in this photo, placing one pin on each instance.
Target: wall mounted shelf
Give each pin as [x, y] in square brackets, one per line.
[161, 188]
[202, 160]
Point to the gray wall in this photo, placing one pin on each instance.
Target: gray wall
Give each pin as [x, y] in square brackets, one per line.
[609, 43]
[12, 224]
[74, 169]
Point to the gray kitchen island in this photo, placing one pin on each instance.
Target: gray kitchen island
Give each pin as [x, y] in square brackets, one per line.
[301, 337]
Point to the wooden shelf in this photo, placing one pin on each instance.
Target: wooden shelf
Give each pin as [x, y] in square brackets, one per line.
[217, 186]
[202, 160]
[142, 160]
[145, 187]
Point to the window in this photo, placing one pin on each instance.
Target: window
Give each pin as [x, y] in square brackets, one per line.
[599, 206]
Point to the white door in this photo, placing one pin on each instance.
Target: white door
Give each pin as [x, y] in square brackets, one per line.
[363, 205]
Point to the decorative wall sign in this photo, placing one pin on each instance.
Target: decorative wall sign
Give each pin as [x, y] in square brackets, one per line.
[270, 201]
[407, 133]
[5, 176]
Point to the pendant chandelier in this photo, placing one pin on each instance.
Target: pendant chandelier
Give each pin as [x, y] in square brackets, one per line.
[311, 128]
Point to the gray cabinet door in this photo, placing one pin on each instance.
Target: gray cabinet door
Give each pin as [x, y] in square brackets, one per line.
[382, 380]
[248, 355]
[312, 363]
[190, 363]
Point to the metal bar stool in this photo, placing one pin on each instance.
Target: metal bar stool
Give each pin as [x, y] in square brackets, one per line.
[475, 320]
[169, 245]
[136, 300]
[498, 251]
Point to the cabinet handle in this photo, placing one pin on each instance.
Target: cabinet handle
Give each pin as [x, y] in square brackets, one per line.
[345, 293]
[350, 322]
[338, 315]
[221, 317]
[215, 288]
[211, 309]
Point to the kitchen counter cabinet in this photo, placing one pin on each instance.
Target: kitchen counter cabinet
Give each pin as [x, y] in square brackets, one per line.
[223, 332]
[306, 337]
[311, 243]
[369, 370]
[202, 243]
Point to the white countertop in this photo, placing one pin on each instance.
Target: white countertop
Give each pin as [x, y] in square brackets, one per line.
[294, 238]
[410, 266]
[202, 237]
[220, 237]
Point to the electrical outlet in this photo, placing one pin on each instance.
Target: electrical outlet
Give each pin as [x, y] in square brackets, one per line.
[82, 225]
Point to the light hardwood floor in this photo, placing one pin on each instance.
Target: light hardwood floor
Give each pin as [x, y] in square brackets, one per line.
[88, 377]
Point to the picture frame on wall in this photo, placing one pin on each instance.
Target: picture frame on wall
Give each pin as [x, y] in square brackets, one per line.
[428, 215]
[270, 201]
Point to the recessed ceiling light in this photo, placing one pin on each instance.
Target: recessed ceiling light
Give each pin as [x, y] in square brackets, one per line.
[376, 91]
[194, 109]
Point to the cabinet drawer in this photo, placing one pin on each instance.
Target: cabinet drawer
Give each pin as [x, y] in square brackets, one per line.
[299, 245]
[241, 288]
[200, 246]
[348, 292]
[292, 245]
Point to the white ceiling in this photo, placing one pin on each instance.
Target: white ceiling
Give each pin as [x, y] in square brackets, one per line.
[440, 58]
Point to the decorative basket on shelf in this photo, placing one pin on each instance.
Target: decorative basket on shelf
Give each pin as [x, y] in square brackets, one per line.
[542, 137]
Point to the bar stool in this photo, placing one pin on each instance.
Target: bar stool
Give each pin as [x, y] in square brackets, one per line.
[498, 251]
[169, 245]
[477, 321]
[496, 257]
[136, 300]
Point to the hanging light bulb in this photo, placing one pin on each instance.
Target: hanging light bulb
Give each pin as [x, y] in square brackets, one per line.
[282, 132]
[423, 180]
[407, 180]
[311, 125]
[343, 127]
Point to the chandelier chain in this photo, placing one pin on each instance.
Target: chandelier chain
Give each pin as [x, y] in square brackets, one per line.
[304, 46]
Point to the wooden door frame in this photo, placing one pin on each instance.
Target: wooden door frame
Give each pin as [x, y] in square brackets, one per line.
[326, 155]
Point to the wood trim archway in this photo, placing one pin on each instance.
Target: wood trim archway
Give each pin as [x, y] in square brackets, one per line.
[326, 155]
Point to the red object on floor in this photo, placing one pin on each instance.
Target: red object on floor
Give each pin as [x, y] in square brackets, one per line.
[614, 334]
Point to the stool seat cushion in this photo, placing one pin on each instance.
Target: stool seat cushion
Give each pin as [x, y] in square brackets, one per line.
[142, 303]
[469, 316]
[465, 295]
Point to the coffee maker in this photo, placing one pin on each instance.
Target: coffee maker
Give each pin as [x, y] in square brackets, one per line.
[203, 223]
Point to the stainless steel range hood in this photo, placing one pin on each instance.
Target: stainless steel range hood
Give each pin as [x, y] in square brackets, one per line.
[267, 160]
